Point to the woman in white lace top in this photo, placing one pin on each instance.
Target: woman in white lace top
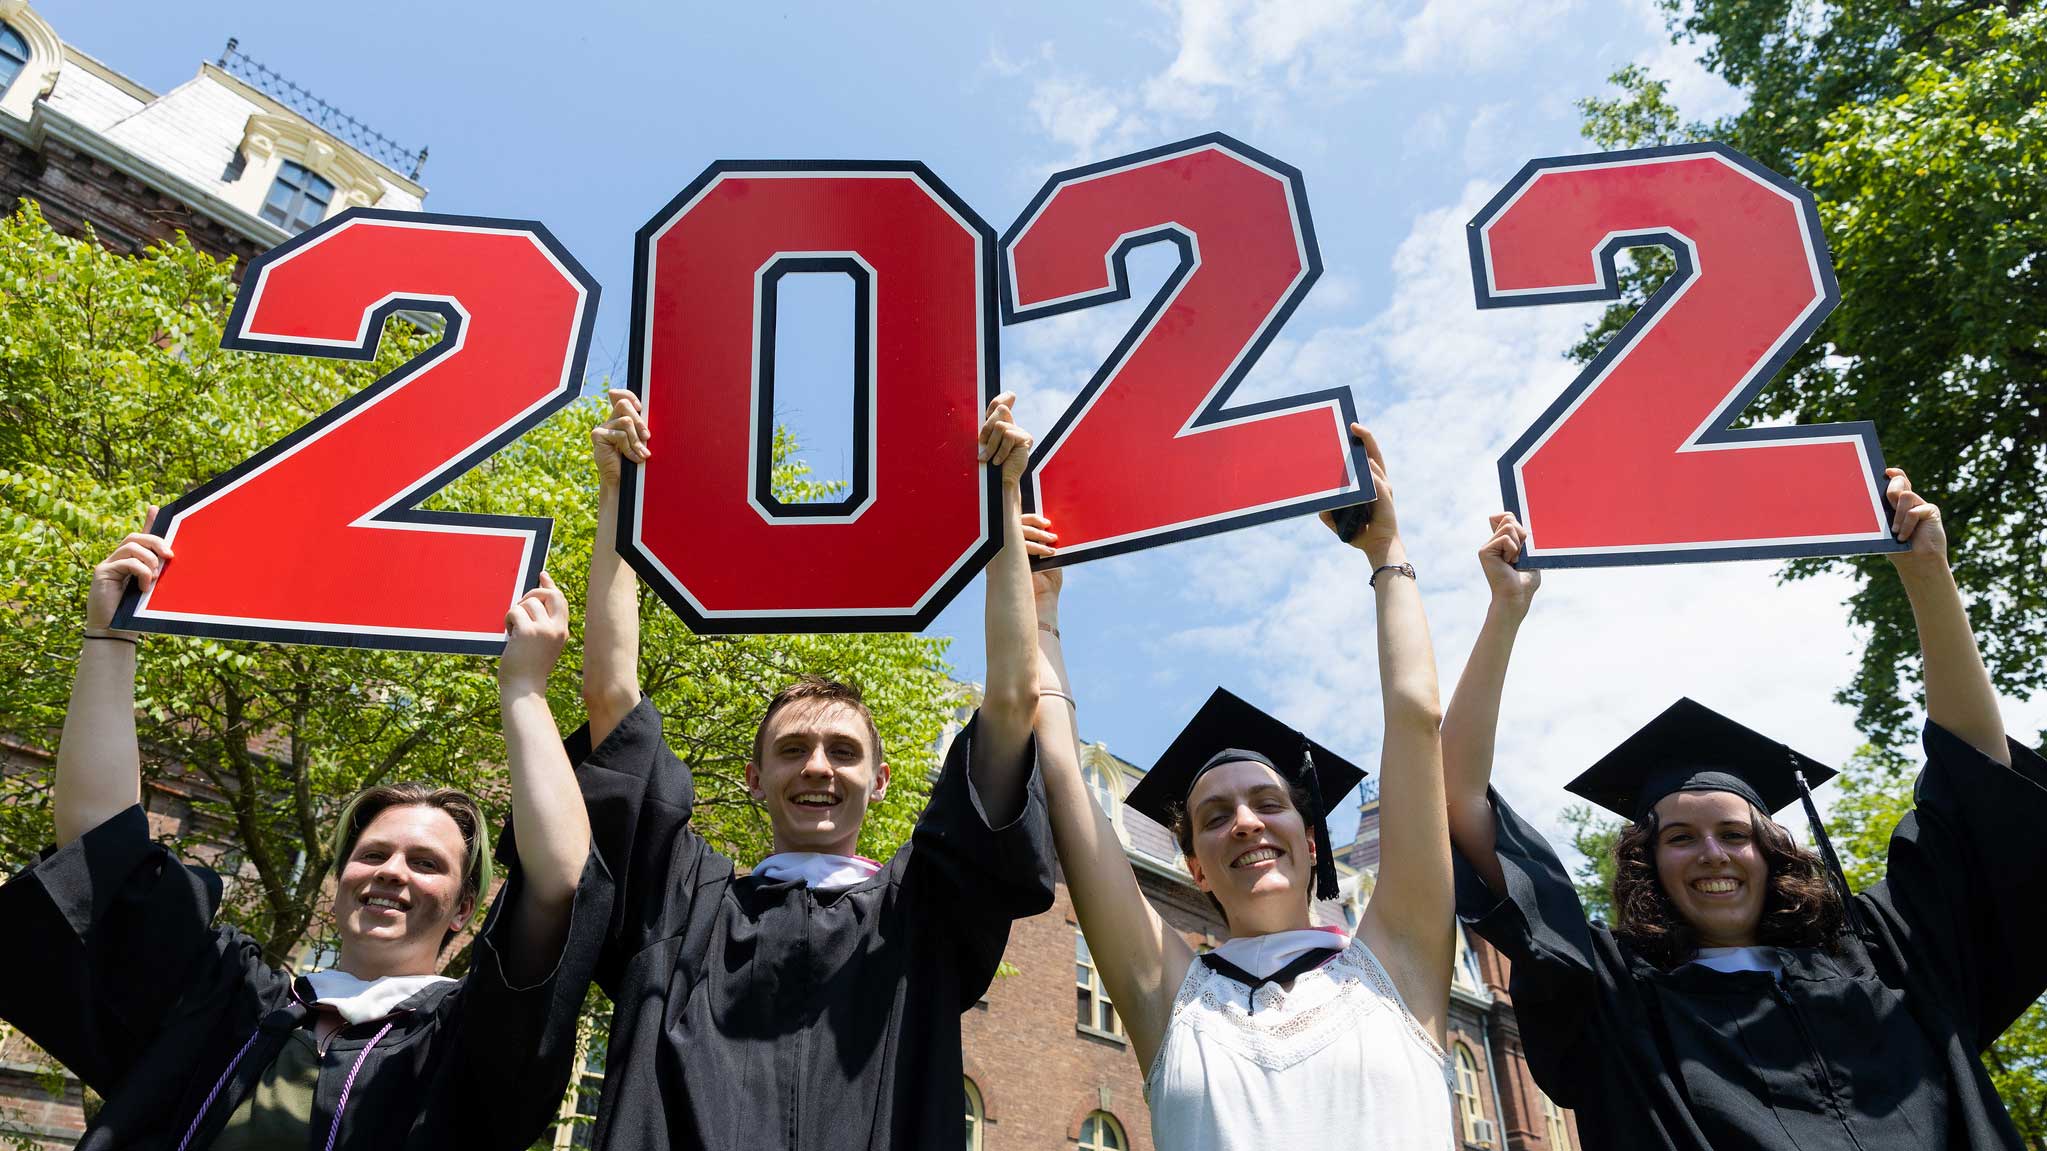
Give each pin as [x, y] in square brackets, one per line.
[1289, 1034]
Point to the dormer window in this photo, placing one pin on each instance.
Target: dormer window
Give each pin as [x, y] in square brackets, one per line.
[298, 198]
[13, 55]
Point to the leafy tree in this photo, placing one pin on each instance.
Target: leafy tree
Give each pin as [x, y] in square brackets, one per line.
[1922, 131]
[1593, 836]
[115, 393]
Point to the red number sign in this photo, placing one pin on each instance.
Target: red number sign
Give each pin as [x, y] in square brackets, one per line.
[315, 539]
[1637, 462]
[1149, 452]
[700, 521]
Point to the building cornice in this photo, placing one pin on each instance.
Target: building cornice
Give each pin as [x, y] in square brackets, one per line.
[50, 124]
[277, 107]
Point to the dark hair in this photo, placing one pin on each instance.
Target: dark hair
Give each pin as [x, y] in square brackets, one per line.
[815, 688]
[365, 806]
[1801, 907]
[1180, 821]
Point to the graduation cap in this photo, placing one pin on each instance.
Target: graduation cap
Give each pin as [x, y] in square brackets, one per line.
[1228, 730]
[1691, 747]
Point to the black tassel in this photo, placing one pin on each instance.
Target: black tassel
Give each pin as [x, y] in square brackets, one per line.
[1826, 846]
[1325, 856]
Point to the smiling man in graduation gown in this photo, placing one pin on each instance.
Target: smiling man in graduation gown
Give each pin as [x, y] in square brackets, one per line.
[814, 1003]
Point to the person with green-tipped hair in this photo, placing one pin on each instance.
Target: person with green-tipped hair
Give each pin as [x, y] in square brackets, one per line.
[115, 966]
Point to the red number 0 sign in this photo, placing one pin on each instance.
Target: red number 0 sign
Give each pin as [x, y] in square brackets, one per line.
[1637, 462]
[1148, 453]
[700, 520]
[315, 539]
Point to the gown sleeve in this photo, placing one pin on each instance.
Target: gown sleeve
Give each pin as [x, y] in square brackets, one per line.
[518, 1039]
[1540, 927]
[977, 878]
[640, 797]
[104, 935]
[1966, 870]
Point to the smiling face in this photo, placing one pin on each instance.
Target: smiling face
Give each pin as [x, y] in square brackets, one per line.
[1711, 866]
[1252, 849]
[817, 770]
[400, 892]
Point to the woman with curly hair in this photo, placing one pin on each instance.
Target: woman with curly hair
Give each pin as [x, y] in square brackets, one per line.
[1743, 998]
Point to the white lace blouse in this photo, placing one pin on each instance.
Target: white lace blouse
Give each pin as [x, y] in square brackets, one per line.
[1335, 1061]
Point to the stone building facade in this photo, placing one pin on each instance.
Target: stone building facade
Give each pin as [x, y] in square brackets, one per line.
[222, 157]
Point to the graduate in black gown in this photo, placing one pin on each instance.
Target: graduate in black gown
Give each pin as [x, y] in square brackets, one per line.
[113, 963]
[1741, 1001]
[813, 1003]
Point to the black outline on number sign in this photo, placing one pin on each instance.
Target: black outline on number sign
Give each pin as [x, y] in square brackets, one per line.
[1215, 409]
[859, 491]
[401, 509]
[970, 563]
[1717, 431]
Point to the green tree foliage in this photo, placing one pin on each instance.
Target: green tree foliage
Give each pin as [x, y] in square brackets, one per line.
[1593, 836]
[1922, 131]
[115, 393]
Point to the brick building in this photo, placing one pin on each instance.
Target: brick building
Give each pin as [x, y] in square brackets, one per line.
[237, 158]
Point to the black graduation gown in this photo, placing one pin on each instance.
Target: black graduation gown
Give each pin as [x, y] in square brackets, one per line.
[765, 1016]
[112, 964]
[1870, 1049]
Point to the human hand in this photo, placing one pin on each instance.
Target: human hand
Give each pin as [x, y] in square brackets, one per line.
[537, 627]
[140, 557]
[1379, 537]
[1513, 589]
[1041, 540]
[1916, 522]
[1003, 444]
[624, 435]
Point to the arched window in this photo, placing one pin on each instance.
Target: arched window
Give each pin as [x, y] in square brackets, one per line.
[1559, 1127]
[13, 55]
[298, 198]
[1471, 1120]
[1092, 1009]
[1098, 783]
[1100, 1132]
[975, 1116]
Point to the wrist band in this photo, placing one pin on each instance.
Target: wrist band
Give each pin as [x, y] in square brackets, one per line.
[1043, 626]
[1057, 694]
[1397, 569]
[109, 633]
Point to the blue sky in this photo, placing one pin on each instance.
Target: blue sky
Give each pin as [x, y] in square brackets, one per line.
[1404, 117]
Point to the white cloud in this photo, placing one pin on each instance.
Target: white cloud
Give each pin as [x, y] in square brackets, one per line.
[1471, 35]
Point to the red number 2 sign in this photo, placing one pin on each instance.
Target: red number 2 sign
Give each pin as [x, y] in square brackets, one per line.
[1637, 461]
[316, 539]
[1148, 453]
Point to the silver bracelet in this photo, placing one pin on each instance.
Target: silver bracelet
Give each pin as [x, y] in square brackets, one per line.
[1057, 694]
[1397, 569]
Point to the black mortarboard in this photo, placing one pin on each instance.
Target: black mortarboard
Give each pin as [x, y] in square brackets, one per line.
[1226, 730]
[1691, 747]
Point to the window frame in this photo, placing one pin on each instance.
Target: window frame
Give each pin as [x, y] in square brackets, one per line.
[1108, 1132]
[8, 56]
[302, 194]
[1468, 1093]
[1090, 989]
[977, 1114]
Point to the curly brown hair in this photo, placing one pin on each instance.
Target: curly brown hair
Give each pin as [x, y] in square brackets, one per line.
[1802, 908]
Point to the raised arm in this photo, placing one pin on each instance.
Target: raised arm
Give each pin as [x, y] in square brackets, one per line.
[1410, 921]
[998, 766]
[1473, 718]
[1959, 696]
[547, 808]
[1141, 960]
[611, 622]
[99, 764]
